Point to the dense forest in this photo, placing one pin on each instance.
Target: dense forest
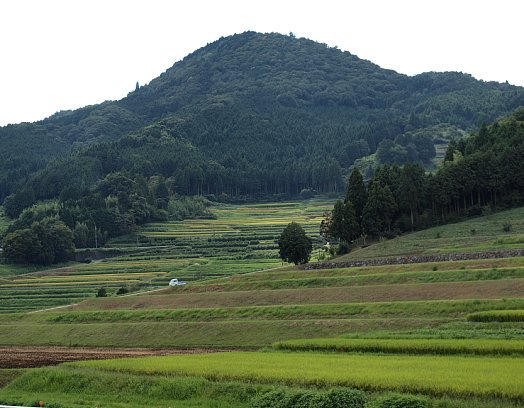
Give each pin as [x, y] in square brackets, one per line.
[480, 174]
[259, 114]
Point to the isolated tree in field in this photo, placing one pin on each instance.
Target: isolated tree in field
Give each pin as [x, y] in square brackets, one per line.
[294, 245]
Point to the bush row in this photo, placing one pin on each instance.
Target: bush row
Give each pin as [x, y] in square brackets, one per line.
[335, 398]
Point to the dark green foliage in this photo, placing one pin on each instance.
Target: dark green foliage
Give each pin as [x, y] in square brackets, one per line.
[45, 242]
[249, 114]
[379, 210]
[342, 224]
[272, 399]
[81, 235]
[183, 208]
[402, 401]
[22, 245]
[407, 148]
[411, 191]
[344, 398]
[343, 248]
[481, 173]
[101, 292]
[294, 245]
[334, 398]
[356, 192]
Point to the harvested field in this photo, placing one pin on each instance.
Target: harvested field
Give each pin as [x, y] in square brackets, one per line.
[29, 357]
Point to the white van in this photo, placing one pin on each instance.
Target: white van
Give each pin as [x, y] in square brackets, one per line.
[176, 282]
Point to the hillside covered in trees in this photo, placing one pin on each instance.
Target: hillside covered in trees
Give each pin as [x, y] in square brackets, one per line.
[257, 114]
[480, 173]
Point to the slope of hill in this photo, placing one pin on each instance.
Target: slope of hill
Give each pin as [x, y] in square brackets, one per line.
[266, 113]
[404, 328]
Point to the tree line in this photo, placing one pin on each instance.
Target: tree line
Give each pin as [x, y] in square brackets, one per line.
[48, 232]
[480, 173]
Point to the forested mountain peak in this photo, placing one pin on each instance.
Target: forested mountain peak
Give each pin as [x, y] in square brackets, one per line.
[257, 114]
[297, 71]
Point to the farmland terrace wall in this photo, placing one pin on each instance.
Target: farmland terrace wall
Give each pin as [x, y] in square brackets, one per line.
[509, 253]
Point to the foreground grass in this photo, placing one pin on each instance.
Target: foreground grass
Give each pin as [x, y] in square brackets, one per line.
[407, 346]
[75, 388]
[432, 375]
[8, 375]
[80, 387]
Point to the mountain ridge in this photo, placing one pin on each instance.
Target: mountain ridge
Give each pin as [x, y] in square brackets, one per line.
[258, 104]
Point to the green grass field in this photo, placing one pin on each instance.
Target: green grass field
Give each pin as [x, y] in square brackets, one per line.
[408, 346]
[451, 331]
[433, 375]
[497, 316]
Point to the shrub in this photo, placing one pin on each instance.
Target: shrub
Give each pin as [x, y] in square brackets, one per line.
[401, 401]
[101, 292]
[343, 248]
[307, 193]
[343, 398]
[334, 398]
[272, 399]
[507, 227]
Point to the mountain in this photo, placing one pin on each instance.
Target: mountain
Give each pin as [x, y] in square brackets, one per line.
[249, 114]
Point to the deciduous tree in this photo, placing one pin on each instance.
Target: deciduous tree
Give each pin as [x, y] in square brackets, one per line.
[294, 245]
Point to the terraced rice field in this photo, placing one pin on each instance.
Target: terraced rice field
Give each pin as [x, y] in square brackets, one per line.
[433, 375]
[451, 330]
[242, 239]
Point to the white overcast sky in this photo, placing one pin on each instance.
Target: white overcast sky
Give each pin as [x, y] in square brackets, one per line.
[64, 54]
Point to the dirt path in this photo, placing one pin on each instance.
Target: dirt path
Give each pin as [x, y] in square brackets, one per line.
[28, 357]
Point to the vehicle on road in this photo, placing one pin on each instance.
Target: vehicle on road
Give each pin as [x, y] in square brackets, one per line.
[176, 282]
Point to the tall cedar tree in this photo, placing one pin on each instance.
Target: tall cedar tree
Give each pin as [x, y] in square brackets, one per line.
[356, 192]
[379, 210]
[412, 190]
[342, 223]
[294, 245]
